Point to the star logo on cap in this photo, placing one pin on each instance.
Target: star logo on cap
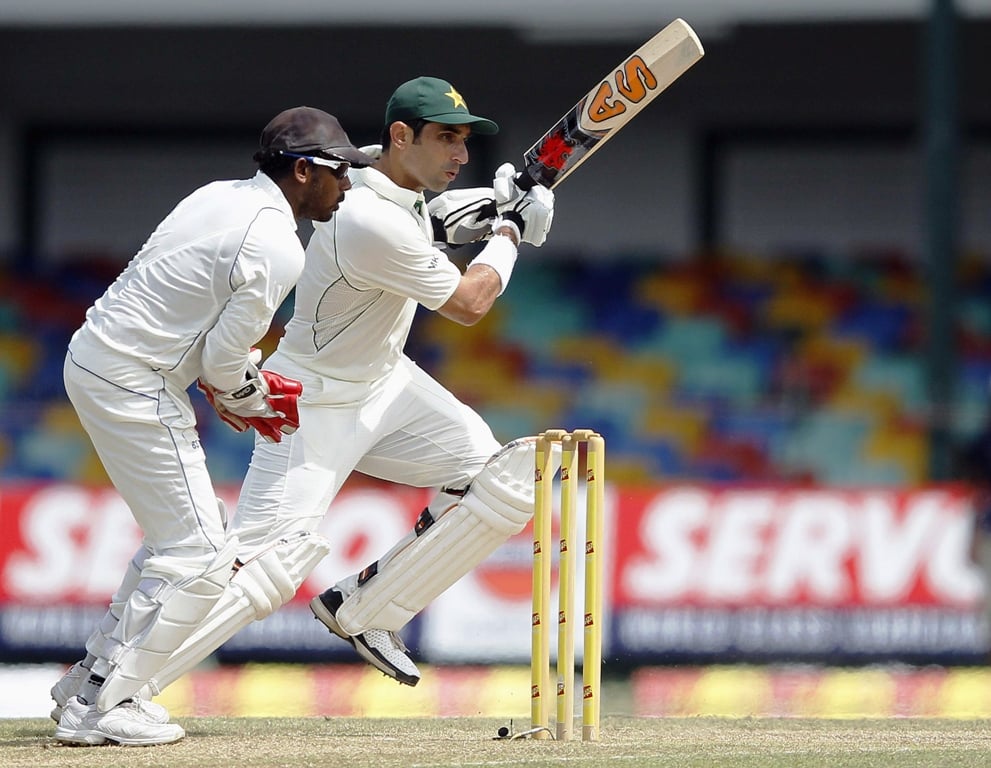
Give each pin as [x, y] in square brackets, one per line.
[457, 98]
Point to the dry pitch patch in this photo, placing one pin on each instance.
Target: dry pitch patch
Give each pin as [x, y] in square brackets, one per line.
[438, 743]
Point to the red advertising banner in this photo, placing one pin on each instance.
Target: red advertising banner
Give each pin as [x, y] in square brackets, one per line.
[69, 544]
[695, 546]
[692, 573]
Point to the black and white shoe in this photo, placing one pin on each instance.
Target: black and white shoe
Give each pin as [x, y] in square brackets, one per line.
[382, 649]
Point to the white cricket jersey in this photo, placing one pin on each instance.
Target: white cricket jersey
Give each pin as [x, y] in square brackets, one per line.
[366, 270]
[204, 287]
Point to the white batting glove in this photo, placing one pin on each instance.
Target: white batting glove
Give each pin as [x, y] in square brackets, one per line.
[507, 194]
[462, 216]
[533, 214]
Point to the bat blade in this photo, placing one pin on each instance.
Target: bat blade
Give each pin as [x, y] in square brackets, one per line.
[612, 103]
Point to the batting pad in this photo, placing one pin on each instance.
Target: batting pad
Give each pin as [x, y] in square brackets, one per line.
[165, 608]
[498, 504]
[259, 588]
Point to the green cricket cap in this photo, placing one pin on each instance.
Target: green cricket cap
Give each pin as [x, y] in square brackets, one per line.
[436, 100]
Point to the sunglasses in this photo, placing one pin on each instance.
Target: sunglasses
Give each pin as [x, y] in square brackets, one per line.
[339, 167]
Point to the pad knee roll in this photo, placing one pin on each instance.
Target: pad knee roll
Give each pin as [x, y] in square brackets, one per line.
[271, 578]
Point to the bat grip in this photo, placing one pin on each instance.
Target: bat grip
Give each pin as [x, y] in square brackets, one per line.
[525, 181]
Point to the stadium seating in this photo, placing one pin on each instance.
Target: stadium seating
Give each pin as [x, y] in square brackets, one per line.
[718, 368]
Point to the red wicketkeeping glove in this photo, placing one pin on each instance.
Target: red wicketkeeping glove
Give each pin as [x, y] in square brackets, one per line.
[282, 394]
[236, 422]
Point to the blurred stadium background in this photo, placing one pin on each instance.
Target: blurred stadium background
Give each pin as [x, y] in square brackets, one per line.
[771, 293]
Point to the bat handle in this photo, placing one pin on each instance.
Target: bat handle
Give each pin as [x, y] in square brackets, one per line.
[525, 181]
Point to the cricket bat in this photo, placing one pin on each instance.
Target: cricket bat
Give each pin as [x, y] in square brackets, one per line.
[610, 105]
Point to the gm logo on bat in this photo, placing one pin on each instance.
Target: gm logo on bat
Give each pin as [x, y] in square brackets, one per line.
[634, 81]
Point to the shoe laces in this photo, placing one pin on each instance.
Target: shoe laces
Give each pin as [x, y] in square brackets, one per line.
[393, 638]
[398, 642]
[136, 703]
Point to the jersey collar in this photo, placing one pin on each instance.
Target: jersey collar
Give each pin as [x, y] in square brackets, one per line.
[386, 187]
[265, 181]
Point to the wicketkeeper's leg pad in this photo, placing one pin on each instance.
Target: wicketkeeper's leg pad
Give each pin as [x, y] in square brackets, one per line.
[259, 587]
[497, 505]
[165, 608]
[98, 642]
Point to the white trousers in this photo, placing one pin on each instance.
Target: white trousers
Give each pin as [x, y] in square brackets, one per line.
[408, 430]
[144, 430]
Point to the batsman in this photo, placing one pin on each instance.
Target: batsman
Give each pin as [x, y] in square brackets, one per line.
[367, 407]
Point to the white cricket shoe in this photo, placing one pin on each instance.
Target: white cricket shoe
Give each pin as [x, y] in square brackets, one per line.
[127, 724]
[382, 649]
[68, 686]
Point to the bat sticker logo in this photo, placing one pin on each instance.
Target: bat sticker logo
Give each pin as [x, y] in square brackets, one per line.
[633, 81]
[553, 153]
[610, 105]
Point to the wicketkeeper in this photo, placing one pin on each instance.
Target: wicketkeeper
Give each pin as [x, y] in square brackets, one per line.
[189, 307]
